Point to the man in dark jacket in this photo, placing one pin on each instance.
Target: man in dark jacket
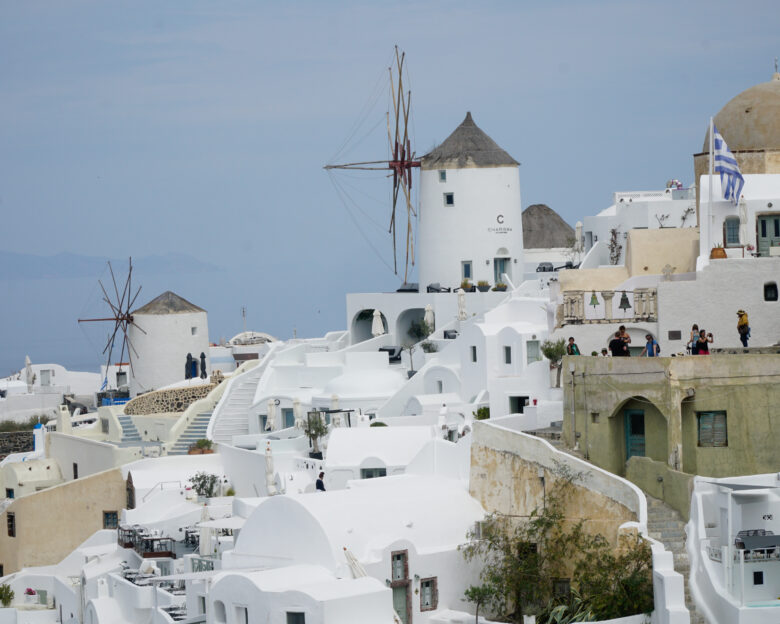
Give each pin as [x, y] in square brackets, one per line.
[618, 347]
[320, 483]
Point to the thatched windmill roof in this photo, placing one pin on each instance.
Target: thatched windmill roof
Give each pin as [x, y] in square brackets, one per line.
[168, 303]
[467, 146]
[543, 228]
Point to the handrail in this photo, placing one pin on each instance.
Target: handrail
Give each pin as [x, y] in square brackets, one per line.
[154, 487]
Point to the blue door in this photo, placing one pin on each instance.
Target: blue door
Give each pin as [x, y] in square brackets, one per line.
[635, 433]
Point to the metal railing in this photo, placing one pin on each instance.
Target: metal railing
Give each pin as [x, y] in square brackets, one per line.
[202, 564]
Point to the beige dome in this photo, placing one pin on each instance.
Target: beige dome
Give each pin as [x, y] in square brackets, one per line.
[751, 120]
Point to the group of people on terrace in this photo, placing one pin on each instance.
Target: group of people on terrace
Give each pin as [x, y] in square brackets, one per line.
[698, 344]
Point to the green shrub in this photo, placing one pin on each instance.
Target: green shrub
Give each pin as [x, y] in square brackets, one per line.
[482, 413]
[203, 443]
[6, 595]
[378, 423]
[204, 484]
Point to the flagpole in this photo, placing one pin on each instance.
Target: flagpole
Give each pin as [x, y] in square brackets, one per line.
[709, 198]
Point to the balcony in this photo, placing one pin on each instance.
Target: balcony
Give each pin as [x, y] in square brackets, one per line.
[145, 542]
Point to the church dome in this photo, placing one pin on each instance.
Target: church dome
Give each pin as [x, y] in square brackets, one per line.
[751, 120]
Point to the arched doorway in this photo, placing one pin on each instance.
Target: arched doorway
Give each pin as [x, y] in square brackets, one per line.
[640, 428]
[502, 263]
[408, 326]
[361, 325]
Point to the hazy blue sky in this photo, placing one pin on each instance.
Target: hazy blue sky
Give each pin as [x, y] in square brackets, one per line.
[141, 128]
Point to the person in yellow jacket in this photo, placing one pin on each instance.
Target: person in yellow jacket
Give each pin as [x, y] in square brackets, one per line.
[743, 327]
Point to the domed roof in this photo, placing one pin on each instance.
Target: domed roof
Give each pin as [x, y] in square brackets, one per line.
[751, 120]
[467, 146]
[168, 303]
[543, 228]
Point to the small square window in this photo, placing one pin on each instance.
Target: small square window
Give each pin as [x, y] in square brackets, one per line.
[9, 492]
[758, 577]
[473, 353]
[561, 587]
[675, 334]
[712, 429]
[442, 175]
[449, 199]
[770, 291]
[194, 331]
[11, 522]
[372, 473]
[110, 520]
[507, 355]
[731, 232]
[296, 618]
[594, 417]
[466, 269]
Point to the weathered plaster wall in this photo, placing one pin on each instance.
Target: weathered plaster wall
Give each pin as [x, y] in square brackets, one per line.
[505, 468]
[51, 523]
[745, 386]
[649, 251]
[674, 487]
[604, 278]
[167, 401]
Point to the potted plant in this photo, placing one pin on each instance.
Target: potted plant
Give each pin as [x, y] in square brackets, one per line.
[500, 286]
[30, 595]
[6, 595]
[717, 252]
[483, 286]
[205, 484]
[467, 286]
[201, 447]
[315, 428]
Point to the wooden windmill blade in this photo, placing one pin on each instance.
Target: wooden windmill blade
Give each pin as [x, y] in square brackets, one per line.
[401, 160]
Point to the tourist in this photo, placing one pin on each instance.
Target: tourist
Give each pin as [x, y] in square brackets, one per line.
[572, 348]
[617, 346]
[692, 341]
[604, 352]
[320, 483]
[625, 337]
[743, 327]
[703, 343]
[652, 349]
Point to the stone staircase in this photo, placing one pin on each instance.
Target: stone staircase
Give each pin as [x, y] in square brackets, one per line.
[195, 431]
[231, 413]
[129, 432]
[667, 526]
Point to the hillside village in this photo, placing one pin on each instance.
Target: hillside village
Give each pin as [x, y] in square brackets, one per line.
[373, 474]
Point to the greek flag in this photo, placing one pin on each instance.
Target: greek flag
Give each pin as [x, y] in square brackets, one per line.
[105, 384]
[725, 164]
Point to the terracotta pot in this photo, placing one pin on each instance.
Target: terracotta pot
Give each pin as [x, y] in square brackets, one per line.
[717, 252]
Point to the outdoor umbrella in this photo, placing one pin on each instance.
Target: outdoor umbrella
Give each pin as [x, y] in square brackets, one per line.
[462, 305]
[377, 326]
[203, 365]
[428, 318]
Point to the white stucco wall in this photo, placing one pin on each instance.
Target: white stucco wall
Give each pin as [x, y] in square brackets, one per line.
[162, 350]
[486, 217]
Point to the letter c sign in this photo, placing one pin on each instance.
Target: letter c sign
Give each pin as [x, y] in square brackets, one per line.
[500, 218]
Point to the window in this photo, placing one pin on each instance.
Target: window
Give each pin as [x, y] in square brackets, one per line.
[11, 519]
[758, 577]
[288, 417]
[110, 520]
[440, 386]
[75, 470]
[533, 353]
[442, 175]
[242, 615]
[449, 199]
[296, 618]
[372, 473]
[561, 587]
[594, 418]
[194, 331]
[121, 379]
[712, 428]
[466, 269]
[400, 566]
[517, 404]
[675, 334]
[429, 594]
[770, 291]
[201, 604]
[731, 232]
[263, 420]
[9, 492]
[507, 355]
[473, 353]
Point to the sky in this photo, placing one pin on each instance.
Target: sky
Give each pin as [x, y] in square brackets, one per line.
[201, 128]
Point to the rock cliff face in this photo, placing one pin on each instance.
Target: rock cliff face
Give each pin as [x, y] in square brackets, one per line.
[543, 228]
[167, 401]
[15, 442]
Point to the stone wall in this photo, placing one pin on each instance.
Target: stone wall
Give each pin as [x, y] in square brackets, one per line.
[174, 400]
[15, 442]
